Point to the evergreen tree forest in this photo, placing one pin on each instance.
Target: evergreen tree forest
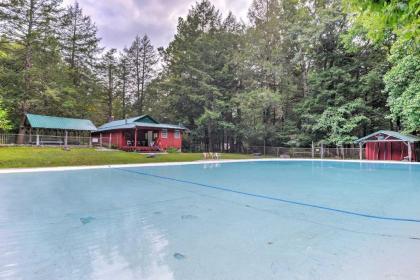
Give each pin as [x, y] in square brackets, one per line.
[295, 72]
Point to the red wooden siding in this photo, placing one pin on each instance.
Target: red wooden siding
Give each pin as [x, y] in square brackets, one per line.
[119, 141]
[388, 151]
[117, 138]
[170, 141]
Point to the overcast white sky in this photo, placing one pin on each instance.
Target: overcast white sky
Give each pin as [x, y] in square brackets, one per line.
[119, 21]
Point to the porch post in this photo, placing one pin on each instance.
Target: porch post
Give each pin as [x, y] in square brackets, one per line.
[135, 137]
[100, 139]
[409, 151]
[90, 141]
[110, 140]
[360, 151]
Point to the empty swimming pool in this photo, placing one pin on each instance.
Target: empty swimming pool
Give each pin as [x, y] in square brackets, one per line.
[240, 220]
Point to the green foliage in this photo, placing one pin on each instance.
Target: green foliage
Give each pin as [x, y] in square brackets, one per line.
[403, 85]
[395, 25]
[340, 123]
[382, 16]
[300, 71]
[4, 120]
[261, 110]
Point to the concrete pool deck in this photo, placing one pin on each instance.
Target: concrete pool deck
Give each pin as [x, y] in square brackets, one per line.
[85, 167]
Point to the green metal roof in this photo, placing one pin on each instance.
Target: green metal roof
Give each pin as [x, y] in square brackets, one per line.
[50, 122]
[394, 134]
[140, 121]
[142, 118]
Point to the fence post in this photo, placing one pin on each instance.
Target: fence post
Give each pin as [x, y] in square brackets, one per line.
[264, 145]
[313, 149]
[65, 138]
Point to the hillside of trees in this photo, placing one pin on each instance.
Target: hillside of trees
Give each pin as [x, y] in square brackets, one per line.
[298, 71]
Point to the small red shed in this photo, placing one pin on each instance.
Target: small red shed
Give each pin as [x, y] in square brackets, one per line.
[389, 145]
[142, 133]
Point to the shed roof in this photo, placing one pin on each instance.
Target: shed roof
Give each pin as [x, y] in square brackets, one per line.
[50, 122]
[139, 121]
[388, 136]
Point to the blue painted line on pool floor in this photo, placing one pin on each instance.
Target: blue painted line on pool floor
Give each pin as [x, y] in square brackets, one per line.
[347, 212]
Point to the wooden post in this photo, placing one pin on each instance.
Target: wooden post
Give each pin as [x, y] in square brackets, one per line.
[100, 139]
[409, 151]
[37, 138]
[360, 150]
[110, 140]
[90, 141]
[65, 138]
[135, 137]
[322, 150]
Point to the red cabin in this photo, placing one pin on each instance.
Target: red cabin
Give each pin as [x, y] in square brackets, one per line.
[142, 133]
[389, 145]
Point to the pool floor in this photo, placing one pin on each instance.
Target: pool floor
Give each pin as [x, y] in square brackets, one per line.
[247, 220]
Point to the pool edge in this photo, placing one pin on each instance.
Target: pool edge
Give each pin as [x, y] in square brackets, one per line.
[84, 167]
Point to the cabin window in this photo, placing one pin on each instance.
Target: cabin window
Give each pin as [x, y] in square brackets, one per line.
[177, 134]
[164, 133]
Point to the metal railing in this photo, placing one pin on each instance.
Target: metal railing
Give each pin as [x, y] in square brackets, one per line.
[44, 140]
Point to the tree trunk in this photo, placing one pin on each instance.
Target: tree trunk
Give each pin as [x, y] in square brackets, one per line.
[209, 131]
[305, 86]
[110, 87]
[27, 77]
[139, 109]
[123, 93]
[143, 75]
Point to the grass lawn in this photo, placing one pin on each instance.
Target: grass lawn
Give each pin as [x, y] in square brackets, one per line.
[12, 157]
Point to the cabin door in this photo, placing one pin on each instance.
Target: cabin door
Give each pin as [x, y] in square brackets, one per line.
[150, 138]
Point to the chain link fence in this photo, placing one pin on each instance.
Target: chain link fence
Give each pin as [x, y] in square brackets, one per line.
[292, 152]
[315, 152]
[280, 152]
